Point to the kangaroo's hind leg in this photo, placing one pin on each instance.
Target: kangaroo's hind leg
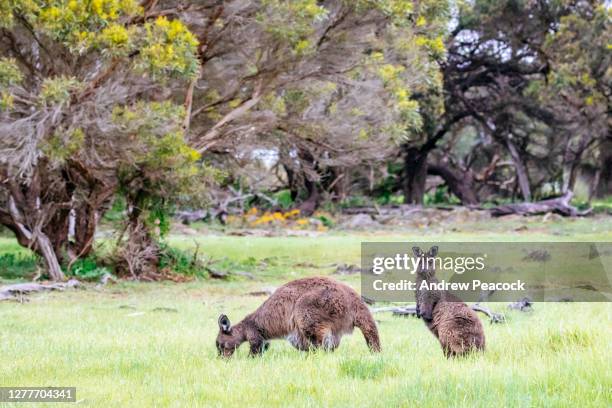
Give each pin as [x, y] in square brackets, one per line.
[324, 337]
[330, 341]
[298, 340]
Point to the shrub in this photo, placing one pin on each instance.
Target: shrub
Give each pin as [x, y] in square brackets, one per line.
[284, 199]
[88, 269]
[15, 266]
[180, 261]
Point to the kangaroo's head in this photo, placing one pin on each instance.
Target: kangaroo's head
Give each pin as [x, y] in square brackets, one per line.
[426, 268]
[426, 300]
[229, 338]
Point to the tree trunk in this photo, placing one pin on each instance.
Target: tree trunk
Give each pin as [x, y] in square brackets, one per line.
[39, 212]
[139, 254]
[603, 187]
[308, 206]
[521, 170]
[414, 175]
[86, 219]
[461, 185]
[47, 252]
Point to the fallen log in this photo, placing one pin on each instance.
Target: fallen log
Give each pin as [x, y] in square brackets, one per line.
[523, 305]
[411, 311]
[560, 205]
[495, 317]
[14, 292]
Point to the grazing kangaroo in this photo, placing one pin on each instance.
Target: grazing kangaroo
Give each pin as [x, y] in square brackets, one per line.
[456, 326]
[309, 312]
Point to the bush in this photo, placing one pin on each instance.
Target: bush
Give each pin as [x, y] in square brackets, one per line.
[180, 261]
[117, 211]
[15, 266]
[88, 269]
[284, 199]
[440, 195]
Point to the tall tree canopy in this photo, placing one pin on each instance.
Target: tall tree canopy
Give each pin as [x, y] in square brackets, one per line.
[116, 96]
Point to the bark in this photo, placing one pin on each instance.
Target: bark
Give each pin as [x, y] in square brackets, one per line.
[415, 175]
[139, 254]
[15, 292]
[39, 215]
[36, 223]
[308, 206]
[521, 170]
[49, 255]
[461, 185]
[604, 184]
[301, 178]
[411, 311]
[87, 215]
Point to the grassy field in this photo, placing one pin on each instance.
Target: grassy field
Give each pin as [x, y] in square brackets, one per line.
[152, 344]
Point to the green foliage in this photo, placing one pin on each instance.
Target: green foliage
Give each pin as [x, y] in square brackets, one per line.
[117, 211]
[165, 48]
[170, 49]
[63, 144]
[17, 266]
[157, 216]
[10, 75]
[385, 191]
[70, 20]
[88, 269]
[327, 222]
[284, 199]
[161, 151]
[9, 72]
[291, 21]
[58, 90]
[602, 205]
[180, 261]
[440, 195]
[356, 201]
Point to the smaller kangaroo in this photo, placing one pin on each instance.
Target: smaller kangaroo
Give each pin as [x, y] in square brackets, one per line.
[456, 326]
[310, 313]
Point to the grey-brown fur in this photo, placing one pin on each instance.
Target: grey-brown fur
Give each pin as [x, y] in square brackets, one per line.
[456, 326]
[309, 313]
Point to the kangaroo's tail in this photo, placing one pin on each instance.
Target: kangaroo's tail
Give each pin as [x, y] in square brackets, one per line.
[367, 325]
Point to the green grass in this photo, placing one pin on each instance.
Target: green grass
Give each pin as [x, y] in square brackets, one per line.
[118, 350]
[152, 344]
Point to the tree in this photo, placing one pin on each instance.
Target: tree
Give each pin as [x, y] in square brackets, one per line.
[324, 84]
[501, 55]
[578, 88]
[75, 79]
[91, 96]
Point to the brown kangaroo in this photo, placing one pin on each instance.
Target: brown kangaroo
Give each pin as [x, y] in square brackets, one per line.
[309, 312]
[456, 326]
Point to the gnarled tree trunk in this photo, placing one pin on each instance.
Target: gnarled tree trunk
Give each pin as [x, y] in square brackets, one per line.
[521, 170]
[460, 184]
[38, 212]
[414, 175]
[139, 253]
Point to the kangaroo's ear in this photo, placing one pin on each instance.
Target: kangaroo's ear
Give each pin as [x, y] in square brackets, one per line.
[224, 324]
[433, 251]
[417, 251]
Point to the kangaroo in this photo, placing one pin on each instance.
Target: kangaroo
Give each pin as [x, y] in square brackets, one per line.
[456, 326]
[310, 313]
